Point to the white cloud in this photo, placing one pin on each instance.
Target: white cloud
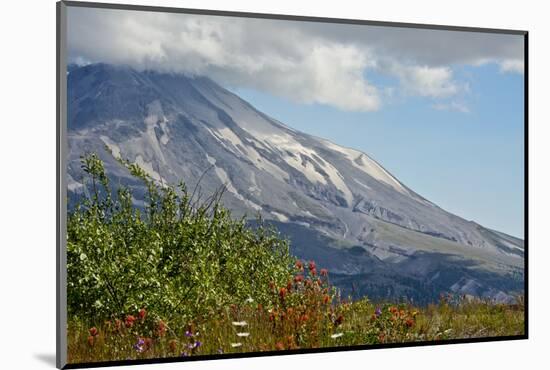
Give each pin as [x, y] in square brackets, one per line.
[505, 65]
[306, 62]
[433, 82]
[512, 65]
[329, 74]
[242, 52]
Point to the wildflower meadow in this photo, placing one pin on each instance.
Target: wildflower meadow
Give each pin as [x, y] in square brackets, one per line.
[180, 277]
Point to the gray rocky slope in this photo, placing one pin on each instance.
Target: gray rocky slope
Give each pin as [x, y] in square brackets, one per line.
[337, 205]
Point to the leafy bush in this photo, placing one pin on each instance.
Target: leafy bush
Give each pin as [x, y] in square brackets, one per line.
[178, 258]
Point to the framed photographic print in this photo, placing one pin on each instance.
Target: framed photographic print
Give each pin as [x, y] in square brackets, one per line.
[236, 184]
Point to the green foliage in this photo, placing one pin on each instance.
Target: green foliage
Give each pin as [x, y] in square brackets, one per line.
[178, 258]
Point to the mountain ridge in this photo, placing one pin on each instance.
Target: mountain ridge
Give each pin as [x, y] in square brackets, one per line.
[176, 126]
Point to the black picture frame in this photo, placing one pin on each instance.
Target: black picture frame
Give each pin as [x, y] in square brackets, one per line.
[61, 215]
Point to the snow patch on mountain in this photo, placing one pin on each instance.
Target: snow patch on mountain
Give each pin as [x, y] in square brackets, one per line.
[369, 166]
[227, 134]
[254, 188]
[73, 185]
[338, 180]
[303, 159]
[247, 152]
[113, 147]
[280, 216]
[151, 122]
[363, 185]
[165, 131]
[226, 181]
[148, 168]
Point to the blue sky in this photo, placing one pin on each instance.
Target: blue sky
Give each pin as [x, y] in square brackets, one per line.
[469, 163]
[441, 110]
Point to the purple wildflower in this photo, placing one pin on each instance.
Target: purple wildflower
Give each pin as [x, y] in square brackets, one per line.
[139, 346]
[194, 345]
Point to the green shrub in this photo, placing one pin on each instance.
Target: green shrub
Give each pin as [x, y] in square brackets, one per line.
[178, 258]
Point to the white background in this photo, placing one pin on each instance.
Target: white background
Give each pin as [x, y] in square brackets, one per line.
[27, 183]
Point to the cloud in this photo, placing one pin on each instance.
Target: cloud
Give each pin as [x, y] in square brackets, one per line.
[505, 65]
[513, 65]
[328, 74]
[425, 46]
[452, 106]
[306, 62]
[241, 52]
[433, 82]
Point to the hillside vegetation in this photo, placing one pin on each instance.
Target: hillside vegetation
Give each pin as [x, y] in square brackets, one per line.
[181, 277]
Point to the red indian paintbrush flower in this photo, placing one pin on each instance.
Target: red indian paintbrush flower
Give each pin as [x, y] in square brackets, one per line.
[129, 322]
[173, 345]
[148, 342]
[142, 314]
[161, 328]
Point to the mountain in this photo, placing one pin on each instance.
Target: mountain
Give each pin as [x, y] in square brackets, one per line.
[337, 205]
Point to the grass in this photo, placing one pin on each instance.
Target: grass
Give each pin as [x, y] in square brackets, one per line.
[304, 315]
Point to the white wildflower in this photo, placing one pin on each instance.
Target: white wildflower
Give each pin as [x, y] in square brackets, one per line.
[239, 323]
